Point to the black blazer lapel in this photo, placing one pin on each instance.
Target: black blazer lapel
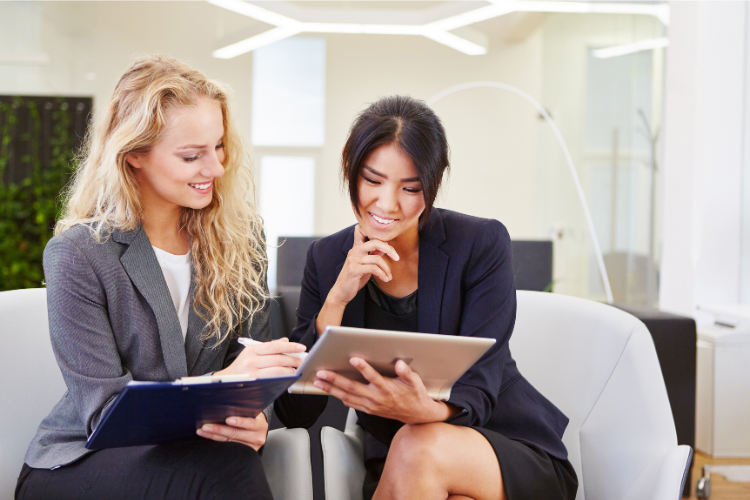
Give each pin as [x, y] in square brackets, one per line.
[433, 267]
[139, 261]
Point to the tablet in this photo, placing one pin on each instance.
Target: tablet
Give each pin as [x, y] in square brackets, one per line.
[439, 360]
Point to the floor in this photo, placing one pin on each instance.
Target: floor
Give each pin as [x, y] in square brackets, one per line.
[721, 489]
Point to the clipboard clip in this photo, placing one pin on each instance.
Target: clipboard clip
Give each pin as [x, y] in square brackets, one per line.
[214, 379]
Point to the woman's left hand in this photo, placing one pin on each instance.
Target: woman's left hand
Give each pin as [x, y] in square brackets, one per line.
[248, 431]
[403, 398]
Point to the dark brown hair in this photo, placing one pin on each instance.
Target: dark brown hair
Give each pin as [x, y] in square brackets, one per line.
[412, 126]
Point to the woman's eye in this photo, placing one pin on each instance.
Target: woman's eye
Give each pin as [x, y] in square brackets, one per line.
[412, 190]
[220, 146]
[371, 181]
[191, 159]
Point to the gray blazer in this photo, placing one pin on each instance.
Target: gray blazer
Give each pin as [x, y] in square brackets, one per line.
[112, 320]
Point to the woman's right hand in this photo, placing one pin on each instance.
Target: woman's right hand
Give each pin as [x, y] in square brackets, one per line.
[266, 359]
[365, 259]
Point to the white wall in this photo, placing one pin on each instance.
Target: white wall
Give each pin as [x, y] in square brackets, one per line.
[705, 89]
[492, 135]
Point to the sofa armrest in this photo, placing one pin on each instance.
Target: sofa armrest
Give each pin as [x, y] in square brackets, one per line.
[665, 476]
[343, 464]
[286, 460]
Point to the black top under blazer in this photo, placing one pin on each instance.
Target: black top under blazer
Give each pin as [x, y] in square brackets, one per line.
[466, 287]
[112, 320]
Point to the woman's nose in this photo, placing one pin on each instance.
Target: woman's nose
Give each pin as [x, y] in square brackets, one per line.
[388, 201]
[213, 167]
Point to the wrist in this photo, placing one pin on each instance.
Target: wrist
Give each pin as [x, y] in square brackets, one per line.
[443, 411]
[335, 304]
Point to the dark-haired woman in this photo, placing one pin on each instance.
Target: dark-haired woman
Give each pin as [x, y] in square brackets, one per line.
[407, 266]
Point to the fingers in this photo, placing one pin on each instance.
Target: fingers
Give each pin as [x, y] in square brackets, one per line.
[381, 271]
[275, 371]
[348, 398]
[359, 236]
[368, 371]
[249, 431]
[382, 246]
[277, 360]
[278, 347]
[340, 382]
[361, 244]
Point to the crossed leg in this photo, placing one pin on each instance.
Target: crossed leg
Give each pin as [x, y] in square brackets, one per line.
[440, 461]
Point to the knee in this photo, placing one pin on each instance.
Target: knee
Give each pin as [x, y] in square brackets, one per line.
[419, 446]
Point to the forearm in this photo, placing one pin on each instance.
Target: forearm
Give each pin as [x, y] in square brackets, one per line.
[330, 314]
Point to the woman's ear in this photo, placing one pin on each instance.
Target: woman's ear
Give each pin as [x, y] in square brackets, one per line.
[134, 160]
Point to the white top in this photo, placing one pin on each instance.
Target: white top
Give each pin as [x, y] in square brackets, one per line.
[176, 269]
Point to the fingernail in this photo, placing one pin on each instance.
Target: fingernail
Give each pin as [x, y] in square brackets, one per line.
[232, 421]
[318, 384]
[322, 375]
[200, 432]
[208, 428]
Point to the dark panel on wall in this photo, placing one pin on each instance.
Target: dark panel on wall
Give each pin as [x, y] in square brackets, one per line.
[291, 255]
[532, 264]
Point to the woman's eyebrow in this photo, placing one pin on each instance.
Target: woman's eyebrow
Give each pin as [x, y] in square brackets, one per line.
[192, 146]
[375, 172]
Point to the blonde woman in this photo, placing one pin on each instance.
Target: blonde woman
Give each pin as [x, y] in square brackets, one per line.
[157, 267]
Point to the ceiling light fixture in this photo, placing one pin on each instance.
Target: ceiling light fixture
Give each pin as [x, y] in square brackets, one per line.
[438, 31]
[630, 48]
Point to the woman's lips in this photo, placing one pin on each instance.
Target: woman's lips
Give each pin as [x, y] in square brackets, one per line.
[202, 187]
[381, 222]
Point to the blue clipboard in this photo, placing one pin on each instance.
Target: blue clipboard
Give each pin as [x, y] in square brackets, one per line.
[159, 412]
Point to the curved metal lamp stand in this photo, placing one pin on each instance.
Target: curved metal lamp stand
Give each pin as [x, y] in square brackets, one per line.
[568, 159]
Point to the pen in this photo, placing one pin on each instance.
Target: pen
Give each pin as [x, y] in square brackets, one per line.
[246, 342]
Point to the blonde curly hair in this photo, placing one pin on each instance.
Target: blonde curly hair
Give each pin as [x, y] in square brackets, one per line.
[226, 237]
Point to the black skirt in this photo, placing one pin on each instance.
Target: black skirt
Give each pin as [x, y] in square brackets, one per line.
[529, 473]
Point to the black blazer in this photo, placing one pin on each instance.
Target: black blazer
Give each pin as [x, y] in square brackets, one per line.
[466, 287]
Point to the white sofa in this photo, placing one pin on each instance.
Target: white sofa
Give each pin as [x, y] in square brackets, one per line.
[599, 366]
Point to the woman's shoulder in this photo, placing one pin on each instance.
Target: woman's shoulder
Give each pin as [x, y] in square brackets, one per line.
[340, 240]
[79, 239]
[464, 228]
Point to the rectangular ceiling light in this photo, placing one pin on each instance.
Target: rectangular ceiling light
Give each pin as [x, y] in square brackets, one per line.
[630, 48]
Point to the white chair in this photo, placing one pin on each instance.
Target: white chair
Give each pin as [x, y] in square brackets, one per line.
[31, 385]
[598, 365]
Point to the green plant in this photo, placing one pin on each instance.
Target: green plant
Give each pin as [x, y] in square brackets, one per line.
[30, 206]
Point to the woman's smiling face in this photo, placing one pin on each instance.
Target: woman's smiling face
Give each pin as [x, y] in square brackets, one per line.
[390, 195]
[180, 169]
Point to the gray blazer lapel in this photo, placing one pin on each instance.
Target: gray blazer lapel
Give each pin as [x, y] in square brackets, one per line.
[139, 261]
[193, 343]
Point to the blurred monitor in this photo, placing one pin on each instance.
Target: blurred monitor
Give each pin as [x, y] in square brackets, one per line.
[532, 262]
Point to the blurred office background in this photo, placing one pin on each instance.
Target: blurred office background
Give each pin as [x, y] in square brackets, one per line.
[296, 99]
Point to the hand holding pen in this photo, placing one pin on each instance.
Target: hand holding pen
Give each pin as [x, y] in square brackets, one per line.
[266, 359]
